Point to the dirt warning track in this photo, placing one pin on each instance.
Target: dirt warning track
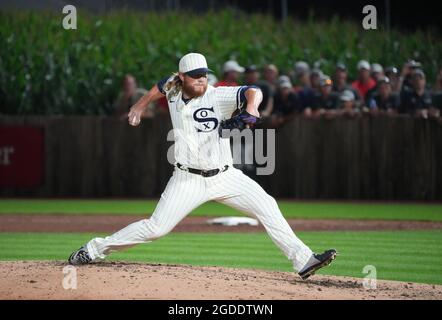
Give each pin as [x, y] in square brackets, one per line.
[112, 223]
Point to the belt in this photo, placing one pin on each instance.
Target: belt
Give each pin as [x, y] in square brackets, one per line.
[204, 173]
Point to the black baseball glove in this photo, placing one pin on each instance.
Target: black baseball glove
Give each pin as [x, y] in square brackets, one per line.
[240, 122]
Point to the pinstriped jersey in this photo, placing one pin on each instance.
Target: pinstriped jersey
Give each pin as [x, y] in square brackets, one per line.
[196, 125]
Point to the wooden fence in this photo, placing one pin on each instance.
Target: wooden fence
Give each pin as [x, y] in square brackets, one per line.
[367, 158]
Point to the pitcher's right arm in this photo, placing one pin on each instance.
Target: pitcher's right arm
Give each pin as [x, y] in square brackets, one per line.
[136, 111]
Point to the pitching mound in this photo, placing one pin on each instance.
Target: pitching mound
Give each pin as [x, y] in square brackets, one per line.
[116, 280]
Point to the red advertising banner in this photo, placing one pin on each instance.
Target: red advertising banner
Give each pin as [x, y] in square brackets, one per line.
[21, 156]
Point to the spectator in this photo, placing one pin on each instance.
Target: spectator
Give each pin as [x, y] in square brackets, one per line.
[231, 72]
[285, 102]
[301, 69]
[306, 95]
[271, 76]
[405, 80]
[377, 73]
[315, 77]
[340, 78]
[392, 73]
[340, 83]
[418, 100]
[251, 77]
[302, 76]
[384, 100]
[283, 78]
[303, 81]
[348, 104]
[326, 101]
[128, 96]
[364, 82]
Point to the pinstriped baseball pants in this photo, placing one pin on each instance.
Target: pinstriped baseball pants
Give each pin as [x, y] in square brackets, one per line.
[186, 191]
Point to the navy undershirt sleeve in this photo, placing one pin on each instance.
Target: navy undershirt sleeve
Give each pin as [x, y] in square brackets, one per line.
[241, 95]
[161, 84]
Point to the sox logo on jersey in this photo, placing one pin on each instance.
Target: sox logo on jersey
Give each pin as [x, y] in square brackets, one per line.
[206, 117]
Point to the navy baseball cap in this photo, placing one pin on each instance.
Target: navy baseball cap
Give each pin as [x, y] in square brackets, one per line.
[250, 68]
[198, 71]
[391, 70]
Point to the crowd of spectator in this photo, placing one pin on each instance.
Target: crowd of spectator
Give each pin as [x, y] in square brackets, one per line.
[309, 92]
[375, 90]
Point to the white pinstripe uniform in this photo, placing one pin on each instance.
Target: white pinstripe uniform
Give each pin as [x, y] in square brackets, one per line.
[198, 145]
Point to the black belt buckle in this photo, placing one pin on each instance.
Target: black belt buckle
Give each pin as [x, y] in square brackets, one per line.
[209, 173]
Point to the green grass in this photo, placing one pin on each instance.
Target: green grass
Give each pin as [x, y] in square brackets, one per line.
[413, 256]
[290, 209]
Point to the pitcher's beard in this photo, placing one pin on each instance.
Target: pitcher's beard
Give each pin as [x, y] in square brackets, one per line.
[192, 92]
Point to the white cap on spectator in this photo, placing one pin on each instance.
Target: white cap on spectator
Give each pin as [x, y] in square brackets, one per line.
[347, 95]
[414, 64]
[285, 84]
[193, 62]
[232, 65]
[283, 78]
[363, 64]
[301, 67]
[377, 68]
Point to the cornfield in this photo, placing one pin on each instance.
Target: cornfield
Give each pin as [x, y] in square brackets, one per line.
[45, 69]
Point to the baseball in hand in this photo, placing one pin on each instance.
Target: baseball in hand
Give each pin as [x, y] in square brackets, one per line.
[134, 119]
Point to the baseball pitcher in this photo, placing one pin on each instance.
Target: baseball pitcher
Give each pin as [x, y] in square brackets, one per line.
[204, 167]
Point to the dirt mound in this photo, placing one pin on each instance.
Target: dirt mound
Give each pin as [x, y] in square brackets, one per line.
[110, 223]
[116, 280]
